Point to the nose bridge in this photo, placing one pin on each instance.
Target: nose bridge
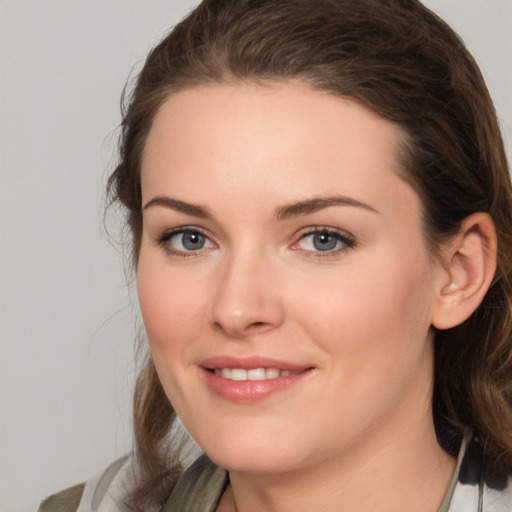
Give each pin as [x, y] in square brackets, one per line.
[246, 298]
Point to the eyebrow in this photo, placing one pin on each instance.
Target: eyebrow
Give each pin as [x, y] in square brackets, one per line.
[282, 212]
[180, 206]
[319, 203]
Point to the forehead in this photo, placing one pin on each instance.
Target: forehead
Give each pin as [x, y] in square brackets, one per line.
[278, 139]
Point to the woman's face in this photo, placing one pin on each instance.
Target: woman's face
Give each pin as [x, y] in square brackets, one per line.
[283, 278]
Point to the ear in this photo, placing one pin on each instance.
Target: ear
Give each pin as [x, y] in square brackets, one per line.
[469, 260]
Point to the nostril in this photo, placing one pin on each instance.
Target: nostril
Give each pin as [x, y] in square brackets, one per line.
[256, 325]
[239, 329]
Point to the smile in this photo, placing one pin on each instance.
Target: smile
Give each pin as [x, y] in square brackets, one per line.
[251, 379]
[240, 374]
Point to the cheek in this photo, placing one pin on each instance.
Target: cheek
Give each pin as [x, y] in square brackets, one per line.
[374, 329]
[170, 305]
[369, 312]
[171, 311]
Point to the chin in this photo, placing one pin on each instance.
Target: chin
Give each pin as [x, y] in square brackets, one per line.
[253, 451]
[252, 462]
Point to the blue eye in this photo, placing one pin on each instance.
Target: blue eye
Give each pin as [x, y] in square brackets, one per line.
[325, 240]
[183, 241]
[188, 241]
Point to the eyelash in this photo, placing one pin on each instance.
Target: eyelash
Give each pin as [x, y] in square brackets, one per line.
[347, 241]
[164, 238]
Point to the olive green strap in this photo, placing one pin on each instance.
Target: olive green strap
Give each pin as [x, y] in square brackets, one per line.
[64, 501]
[447, 500]
[199, 489]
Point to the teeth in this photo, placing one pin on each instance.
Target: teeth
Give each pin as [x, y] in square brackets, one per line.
[256, 374]
[271, 373]
[238, 374]
[252, 374]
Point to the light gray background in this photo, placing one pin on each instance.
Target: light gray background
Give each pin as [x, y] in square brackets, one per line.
[66, 321]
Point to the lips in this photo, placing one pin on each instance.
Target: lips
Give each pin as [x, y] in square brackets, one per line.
[252, 379]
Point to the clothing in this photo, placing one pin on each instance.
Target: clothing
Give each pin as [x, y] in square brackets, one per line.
[200, 488]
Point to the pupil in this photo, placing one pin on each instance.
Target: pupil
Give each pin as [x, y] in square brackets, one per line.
[324, 242]
[193, 241]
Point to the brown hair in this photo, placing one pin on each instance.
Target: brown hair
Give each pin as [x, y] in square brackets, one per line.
[402, 61]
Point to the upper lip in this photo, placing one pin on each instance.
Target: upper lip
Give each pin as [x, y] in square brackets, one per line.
[251, 362]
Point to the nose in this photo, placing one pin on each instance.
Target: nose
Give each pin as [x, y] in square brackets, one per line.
[247, 298]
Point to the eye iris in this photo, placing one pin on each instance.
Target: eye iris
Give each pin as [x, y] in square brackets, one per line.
[324, 242]
[193, 241]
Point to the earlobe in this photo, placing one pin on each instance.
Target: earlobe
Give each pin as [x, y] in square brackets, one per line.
[470, 262]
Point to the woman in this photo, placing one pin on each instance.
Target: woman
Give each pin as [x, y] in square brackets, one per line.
[321, 211]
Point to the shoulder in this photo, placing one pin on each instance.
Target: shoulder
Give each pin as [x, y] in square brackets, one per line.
[477, 487]
[67, 500]
[105, 492]
[198, 490]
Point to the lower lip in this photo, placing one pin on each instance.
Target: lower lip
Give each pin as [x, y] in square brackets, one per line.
[249, 391]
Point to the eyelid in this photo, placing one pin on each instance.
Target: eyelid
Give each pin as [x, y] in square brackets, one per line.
[347, 239]
[163, 238]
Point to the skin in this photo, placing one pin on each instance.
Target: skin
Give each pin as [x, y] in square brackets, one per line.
[358, 429]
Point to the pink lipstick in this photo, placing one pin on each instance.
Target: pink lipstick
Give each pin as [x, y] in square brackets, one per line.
[247, 380]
